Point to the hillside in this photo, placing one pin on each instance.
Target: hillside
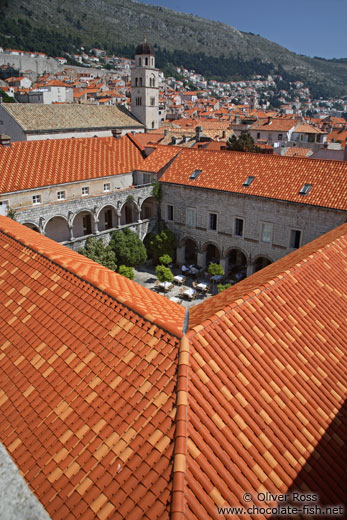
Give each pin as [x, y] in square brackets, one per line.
[215, 49]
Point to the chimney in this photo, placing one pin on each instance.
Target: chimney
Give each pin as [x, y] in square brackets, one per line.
[269, 120]
[223, 134]
[173, 140]
[117, 134]
[198, 132]
[5, 140]
[166, 131]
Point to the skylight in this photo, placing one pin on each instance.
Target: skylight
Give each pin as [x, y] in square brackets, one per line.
[248, 181]
[195, 174]
[305, 189]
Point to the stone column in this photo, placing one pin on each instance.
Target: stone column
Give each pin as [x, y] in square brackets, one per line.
[180, 255]
[71, 232]
[250, 268]
[201, 259]
[118, 217]
[223, 262]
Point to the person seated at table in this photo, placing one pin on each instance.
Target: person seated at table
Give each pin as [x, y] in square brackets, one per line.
[184, 269]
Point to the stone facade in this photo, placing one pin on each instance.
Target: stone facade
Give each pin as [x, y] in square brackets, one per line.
[145, 91]
[268, 226]
[71, 221]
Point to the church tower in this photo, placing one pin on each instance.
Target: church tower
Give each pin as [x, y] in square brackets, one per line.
[145, 87]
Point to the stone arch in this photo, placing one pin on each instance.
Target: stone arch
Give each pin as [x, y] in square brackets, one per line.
[237, 261]
[213, 252]
[260, 262]
[83, 223]
[32, 226]
[57, 229]
[190, 251]
[107, 217]
[148, 208]
[130, 212]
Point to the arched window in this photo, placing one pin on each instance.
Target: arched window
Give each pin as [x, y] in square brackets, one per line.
[136, 79]
[146, 61]
[140, 82]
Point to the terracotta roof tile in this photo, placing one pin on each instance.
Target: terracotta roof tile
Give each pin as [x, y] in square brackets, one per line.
[275, 177]
[81, 454]
[33, 164]
[121, 417]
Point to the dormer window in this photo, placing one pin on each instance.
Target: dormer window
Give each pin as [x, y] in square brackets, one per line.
[248, 181]
[195, 174]
[305, 189]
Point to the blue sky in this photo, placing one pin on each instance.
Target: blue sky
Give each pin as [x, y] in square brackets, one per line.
[310, 27]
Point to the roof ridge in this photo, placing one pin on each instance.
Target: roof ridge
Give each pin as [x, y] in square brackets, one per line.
[268, 283]
[181, 432]
[63, 257]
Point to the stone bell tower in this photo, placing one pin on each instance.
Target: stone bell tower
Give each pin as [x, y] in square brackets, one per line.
[145, 86]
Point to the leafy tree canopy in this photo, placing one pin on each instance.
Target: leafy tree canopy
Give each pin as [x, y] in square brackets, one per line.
[6, 98]
[128, 248]
[126, 271]
[165, 259]
[244, 143]
[163, 273]
[160, 244]
[215, 269]
[96, 250]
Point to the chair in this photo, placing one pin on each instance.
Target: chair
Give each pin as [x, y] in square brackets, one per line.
[194, 284]
[180, 292]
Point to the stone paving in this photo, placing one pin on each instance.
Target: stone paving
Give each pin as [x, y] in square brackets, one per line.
[145, 276]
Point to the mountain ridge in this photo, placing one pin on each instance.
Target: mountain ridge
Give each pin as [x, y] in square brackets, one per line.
[121, 24]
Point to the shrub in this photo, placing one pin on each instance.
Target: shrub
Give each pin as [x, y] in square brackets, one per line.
[126, 271]
[96, 250]
[128, 248]
[165, 259]
[163, 273]
[215, 269]
[222, 287]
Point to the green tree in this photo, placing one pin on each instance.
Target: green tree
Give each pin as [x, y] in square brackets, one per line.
[126, 271]
[159, 244]
[163, 273]
[128, 248]
[244, 143]
[6, 98]
[165, 259]
[96, 250]
[215, 269]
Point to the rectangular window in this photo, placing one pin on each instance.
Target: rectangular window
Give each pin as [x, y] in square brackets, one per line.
[61, 195]
[212, 221]
[138, 101]
[146, 178]
[152, 101]
[36, 199]
[266, 232]
[191, 217]
[280, 137]
[295, 239]
[107, 186]
[85, 190]
[238, 231]
[169, 213]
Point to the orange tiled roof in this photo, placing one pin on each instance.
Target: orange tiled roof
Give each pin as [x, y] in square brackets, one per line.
[90, 415]
[159, 158]
[266, 384]
[308, 129]
[275, 125]
[276, 177]
[32, 164]
[295, 151]
[95, 405]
